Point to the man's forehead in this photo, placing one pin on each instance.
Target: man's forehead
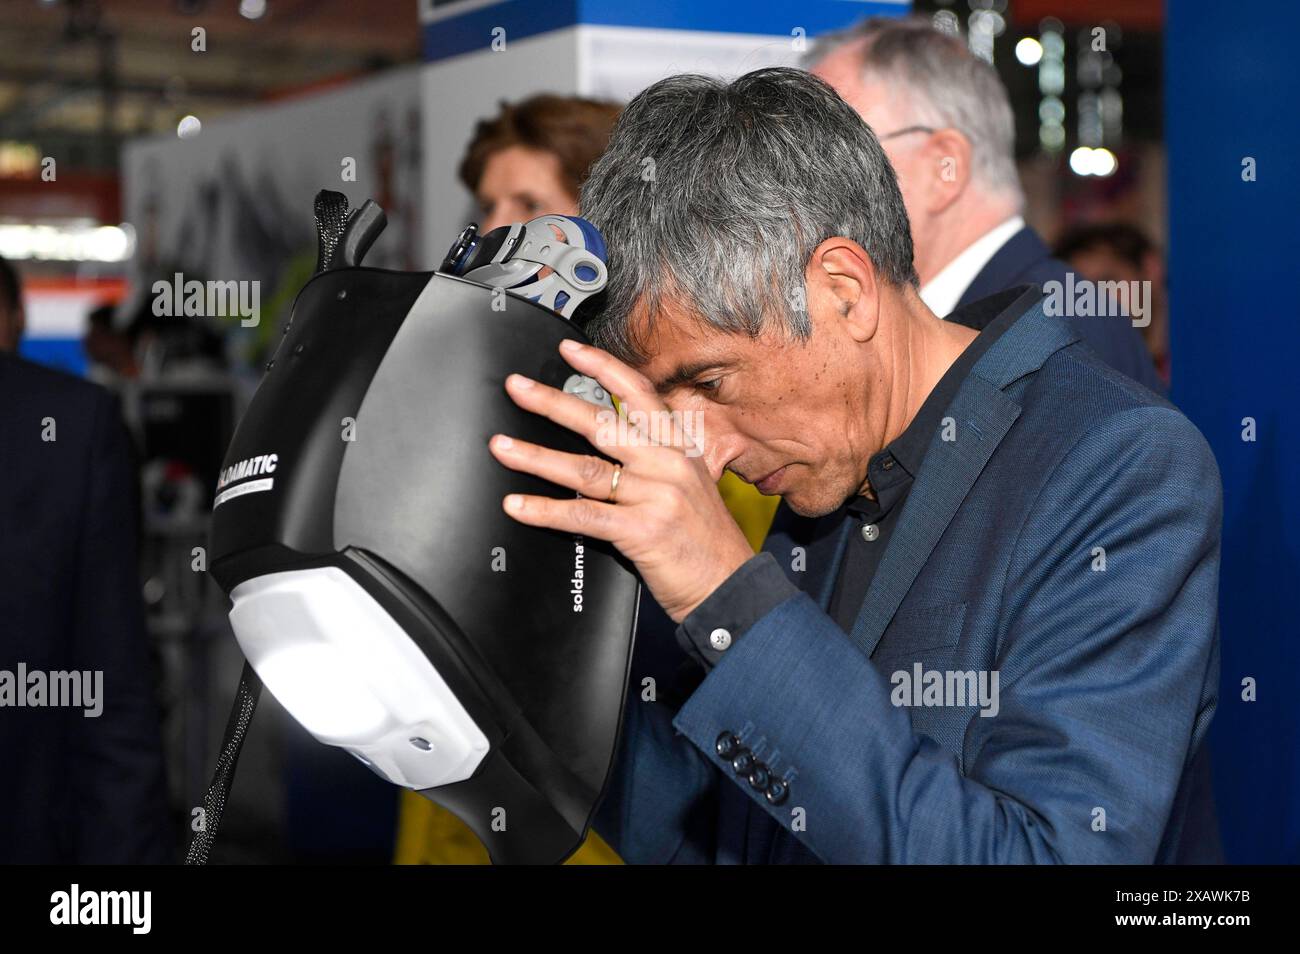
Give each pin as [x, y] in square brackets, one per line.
[677, 340]
[842, 65]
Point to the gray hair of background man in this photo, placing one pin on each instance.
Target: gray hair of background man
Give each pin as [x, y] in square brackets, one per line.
[946, 86]
[714, 196]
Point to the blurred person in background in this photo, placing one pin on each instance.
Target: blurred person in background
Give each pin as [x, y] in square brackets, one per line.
[1120, 252]
[531, 157]
[111, 352]
[77, 787]
[946, 125]
[13, 317]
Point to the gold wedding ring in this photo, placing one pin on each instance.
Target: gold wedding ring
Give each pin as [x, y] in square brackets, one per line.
[613, 483]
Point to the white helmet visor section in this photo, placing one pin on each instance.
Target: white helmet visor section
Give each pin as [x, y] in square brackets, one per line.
[344, 668]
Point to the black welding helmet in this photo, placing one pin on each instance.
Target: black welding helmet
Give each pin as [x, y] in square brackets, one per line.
[379, 590]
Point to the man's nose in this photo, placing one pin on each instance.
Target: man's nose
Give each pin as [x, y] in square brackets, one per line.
[717, 443]
[719, 450]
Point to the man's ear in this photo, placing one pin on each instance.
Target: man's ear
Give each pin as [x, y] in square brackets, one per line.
[843, 286]
[949, 153]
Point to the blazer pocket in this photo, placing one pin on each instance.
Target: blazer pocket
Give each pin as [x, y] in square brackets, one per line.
[922, 629]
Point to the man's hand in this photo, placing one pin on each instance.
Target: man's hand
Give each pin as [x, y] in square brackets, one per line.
[667, 516]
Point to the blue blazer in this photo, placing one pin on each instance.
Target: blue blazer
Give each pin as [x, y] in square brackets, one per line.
[1023, 260]
[1068, 539]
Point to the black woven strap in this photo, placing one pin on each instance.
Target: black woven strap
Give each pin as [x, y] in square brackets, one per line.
[331, 220]
[214, 802]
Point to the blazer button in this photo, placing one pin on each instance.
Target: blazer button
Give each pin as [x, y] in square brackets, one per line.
[759, 777]
[728, 745]
[743, 762]
[777, 791]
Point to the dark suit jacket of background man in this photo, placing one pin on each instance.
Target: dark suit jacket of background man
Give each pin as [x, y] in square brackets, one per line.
[74, 789]
[1024, 259]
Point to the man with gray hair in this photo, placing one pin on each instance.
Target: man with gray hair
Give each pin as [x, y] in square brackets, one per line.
[960, 509]
[945, 122]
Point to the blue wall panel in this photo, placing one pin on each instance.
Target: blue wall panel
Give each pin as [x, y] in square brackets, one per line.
[1231, 91]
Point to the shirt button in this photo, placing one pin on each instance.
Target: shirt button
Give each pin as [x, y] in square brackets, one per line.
[870, 532]
[888, 464]
[719, 639]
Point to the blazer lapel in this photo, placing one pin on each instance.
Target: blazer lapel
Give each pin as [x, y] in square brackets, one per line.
[983, 413]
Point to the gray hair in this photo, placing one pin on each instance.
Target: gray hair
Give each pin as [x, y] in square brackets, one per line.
[947, 87]
[715, 195]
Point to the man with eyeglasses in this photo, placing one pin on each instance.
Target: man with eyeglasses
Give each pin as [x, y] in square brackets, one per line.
[945, 122]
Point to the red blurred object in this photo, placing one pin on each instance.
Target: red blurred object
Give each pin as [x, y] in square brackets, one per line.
[1137, 14]
[71, 195]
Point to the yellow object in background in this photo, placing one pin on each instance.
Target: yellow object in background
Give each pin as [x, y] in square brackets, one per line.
[751, 510]
[430, 835]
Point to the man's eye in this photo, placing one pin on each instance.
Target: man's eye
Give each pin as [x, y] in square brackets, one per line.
[712, 384]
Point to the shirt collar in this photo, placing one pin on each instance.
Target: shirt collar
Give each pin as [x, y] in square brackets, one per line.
[993, 315]
[990, 316]
[942, 292]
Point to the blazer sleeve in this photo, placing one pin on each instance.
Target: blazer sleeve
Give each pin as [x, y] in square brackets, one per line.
[116, 757]
[659, 803]
[1103, 681]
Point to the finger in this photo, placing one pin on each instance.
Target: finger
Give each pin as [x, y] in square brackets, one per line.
[599, 425]
[639, 402]
[614, 375]
[587, 474]
[567, 410]
[590, 518]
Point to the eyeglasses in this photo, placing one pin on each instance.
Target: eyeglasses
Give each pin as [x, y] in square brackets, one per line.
[906, 130]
